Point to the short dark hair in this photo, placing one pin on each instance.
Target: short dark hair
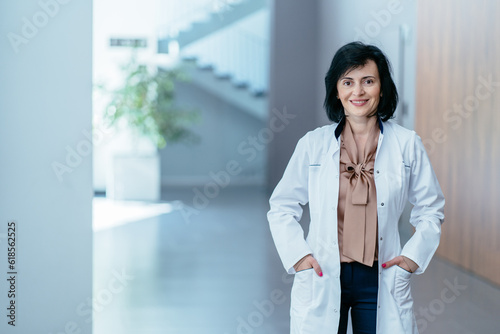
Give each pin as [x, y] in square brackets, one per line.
[352, 56]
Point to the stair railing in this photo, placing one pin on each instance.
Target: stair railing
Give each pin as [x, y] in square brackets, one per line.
[237, 54]
[185, 13]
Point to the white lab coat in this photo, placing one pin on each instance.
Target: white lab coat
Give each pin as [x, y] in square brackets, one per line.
[402, 172]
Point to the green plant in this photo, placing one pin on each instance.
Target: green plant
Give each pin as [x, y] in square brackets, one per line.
[146, 104]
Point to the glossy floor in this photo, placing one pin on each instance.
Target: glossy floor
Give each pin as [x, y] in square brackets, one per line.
[210, 267]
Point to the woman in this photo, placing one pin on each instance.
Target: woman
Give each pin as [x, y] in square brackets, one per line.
[357, 175]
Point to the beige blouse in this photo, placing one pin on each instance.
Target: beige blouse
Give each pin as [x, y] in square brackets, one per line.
[357, 207]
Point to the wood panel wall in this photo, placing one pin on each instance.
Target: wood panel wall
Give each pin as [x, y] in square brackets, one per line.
[458, 117]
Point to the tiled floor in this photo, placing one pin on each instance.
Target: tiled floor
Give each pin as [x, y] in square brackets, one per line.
[215, 271]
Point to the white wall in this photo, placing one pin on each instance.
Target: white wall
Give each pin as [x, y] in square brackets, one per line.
[45, 105]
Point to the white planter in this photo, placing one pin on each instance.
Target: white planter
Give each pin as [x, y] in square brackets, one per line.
[134, 177]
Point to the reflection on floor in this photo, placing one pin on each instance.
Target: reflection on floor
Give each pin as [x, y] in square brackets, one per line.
[108, 213]
[211, 268]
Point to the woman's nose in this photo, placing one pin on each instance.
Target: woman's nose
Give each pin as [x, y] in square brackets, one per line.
[358, 90]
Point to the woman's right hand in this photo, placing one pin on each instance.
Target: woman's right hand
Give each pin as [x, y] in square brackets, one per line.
[308, 262]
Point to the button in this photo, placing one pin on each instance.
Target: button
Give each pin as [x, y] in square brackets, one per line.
[381, 238]
[379, 306]
[335, 310]
[378, 172]
[382, 204]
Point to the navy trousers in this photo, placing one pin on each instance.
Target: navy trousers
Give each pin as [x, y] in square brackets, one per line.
[359, 284]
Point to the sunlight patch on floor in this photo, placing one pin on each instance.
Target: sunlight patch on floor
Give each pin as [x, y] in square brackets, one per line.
[108, 213]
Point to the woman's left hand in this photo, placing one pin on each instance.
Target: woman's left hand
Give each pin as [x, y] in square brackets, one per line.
[403, 262]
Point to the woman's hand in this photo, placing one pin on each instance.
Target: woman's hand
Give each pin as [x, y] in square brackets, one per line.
[403, 262]
[308, 262]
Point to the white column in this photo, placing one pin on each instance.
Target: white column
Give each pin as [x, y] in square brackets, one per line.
[45, 156]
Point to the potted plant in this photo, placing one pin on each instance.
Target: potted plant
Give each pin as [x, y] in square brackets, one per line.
[144, 107]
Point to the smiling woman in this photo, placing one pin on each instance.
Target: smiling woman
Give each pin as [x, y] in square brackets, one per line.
[367, 167]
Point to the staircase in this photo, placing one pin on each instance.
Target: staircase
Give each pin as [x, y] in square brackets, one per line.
[225, 51]
[226, 14]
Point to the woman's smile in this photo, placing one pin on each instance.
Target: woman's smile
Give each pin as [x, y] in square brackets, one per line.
[358, 103]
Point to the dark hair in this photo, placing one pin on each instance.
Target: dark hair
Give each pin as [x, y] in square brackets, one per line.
[352, 56]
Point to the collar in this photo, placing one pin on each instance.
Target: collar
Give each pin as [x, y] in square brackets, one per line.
[340, 127]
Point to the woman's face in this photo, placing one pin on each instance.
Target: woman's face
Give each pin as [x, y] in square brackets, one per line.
[359, 90]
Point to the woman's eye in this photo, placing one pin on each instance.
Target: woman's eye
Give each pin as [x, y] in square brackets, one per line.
[347, 83]
[369, 81]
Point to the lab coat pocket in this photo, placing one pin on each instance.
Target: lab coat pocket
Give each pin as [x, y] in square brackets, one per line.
[402, 290]
[302, 288]
[302, 296]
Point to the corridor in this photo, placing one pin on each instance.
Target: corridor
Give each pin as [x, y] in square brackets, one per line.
[218, 273]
